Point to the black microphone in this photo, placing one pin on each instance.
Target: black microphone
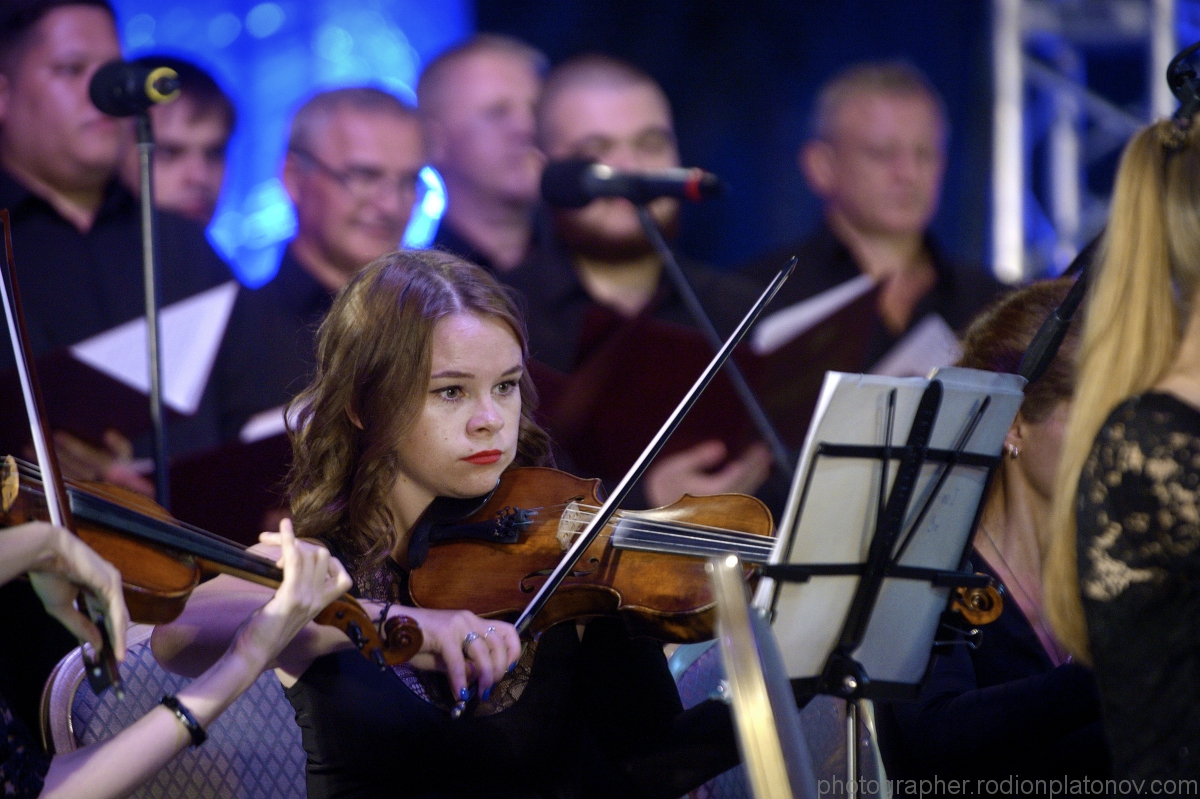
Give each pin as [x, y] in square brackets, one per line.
[122, 89]
[575, 183]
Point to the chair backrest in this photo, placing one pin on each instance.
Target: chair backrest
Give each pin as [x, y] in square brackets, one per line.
[253, 749]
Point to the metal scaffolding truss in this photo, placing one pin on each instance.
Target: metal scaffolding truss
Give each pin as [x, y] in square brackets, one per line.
[1055, 134]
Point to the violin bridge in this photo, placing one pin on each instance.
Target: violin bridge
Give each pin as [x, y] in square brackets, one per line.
[570, 524]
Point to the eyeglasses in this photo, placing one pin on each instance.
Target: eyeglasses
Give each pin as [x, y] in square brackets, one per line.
[363, 183]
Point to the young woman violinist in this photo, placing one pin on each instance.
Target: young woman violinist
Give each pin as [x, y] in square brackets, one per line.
[420, 392]
[59, 565]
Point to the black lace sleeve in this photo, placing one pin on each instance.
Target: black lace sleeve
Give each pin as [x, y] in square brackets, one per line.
[1138, 513]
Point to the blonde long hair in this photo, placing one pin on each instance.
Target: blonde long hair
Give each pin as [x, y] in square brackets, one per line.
[373, 362]
[1142, 283]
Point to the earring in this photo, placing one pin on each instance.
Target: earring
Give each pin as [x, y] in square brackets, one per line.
[1012, 451]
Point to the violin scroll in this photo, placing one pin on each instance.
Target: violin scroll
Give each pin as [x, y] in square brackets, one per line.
[978, 605]
[401, 638]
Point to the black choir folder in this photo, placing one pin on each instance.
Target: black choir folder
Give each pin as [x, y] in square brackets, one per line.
[633, 372]
[79, 400]
[102, 383]
[235, 490]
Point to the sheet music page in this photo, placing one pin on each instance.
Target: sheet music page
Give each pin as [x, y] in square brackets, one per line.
[930, 344]
[837, 519]
[782, 326]
[264, 424]
[192, 330]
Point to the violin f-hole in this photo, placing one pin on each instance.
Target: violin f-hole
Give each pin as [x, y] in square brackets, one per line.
[529, 589]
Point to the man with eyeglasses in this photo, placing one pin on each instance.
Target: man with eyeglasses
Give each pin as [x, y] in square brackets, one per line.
[876, 161]
[351, 170]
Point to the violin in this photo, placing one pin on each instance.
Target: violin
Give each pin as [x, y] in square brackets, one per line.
[647, 567]
[162, 560]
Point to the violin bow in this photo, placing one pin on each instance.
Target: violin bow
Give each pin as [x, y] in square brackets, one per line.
[589, 534]
[102, 672]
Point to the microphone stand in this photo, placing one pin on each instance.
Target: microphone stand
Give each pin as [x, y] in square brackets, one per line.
[145, 144]
[779, 452]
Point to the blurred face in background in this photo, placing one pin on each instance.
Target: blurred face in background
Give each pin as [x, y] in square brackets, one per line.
[48, 126]
[355, 185]
[480, 127]
[628, 127]
[880, 166]
[189, 158]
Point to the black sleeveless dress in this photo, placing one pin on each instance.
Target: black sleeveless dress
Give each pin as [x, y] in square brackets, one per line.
[579, 717]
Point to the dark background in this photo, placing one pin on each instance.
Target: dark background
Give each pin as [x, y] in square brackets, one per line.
[742, 76]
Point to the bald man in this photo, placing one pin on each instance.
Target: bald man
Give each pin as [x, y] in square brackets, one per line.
[602, 264]
[477, 103]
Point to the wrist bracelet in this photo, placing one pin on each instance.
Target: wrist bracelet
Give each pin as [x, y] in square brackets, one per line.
[172, 703]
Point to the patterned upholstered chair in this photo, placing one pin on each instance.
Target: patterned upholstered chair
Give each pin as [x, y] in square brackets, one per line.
[253, 750]
[698, 675]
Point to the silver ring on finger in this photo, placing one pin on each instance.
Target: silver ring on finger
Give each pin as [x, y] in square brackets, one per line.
[470, 638]
[488, 632]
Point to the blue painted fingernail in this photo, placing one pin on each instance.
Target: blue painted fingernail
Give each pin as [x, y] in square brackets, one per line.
[463, 694]
[487, 694]
[512, 665]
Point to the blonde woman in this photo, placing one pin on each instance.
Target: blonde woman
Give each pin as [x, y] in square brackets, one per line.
[1122, 571]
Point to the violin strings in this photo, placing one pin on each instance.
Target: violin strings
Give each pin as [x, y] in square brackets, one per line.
[694, 537]
[588, 512]
[633, 519]
[666, 530]
[675, 540]
[690, 545]
[665, 535]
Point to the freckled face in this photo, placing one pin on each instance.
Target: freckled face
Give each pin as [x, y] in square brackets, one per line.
[466, 435]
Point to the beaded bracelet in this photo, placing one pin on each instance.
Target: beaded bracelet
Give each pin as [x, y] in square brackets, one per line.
[172, 703]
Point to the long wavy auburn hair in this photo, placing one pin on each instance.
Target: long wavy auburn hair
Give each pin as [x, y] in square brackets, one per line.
[1141, 290]
[373, 366]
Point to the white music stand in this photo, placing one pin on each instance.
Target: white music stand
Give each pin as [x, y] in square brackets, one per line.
[878, 526]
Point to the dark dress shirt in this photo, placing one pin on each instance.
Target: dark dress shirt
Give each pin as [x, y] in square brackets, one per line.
[75, 285]
[268, 355]
[1002, 709]
[453, 242]
[958, 295]
[566, 325]
[558, 306]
